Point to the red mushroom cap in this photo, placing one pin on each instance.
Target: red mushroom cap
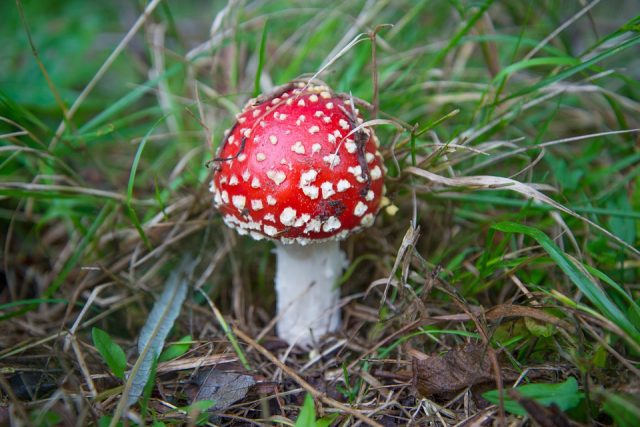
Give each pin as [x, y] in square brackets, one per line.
[297, 166]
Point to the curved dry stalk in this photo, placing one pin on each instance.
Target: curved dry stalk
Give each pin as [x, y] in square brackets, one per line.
[485, 182]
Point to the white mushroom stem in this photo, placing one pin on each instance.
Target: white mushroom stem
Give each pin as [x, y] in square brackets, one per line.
[307, 291]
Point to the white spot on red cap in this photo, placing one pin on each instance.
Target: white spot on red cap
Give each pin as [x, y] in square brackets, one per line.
[273, 139]
[233, 180]
[330, 105]
[255, 182]
[332, 223]
[304, 218]
[276, 176]
[260, 157]
[271, 201]
[367, 220]
[325, 94]
[314, 129]
[256, 204]
[327, 189]
[246, 175]
[370, 195]
[256, 235]
[344, 124]
[225, 196]
[313, 98]
[370, 157]
[315, 148]
[308, 177]
[298, 147]
[269, 217]
[331, 138]
[319, 113]
[301, 103]
[288, 216]
[332, 159]
[343, 185]
[242, 157]
[256, 112]
[376, 173]
[270, 230]
[313, 226]
[350, 146]
[238, 201]
[360, 209]
[311, 191]
[355, 170]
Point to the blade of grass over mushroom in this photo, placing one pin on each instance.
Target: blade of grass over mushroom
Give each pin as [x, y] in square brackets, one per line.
[357, 39]
[263, 45]
[484, 182]
[579, 276]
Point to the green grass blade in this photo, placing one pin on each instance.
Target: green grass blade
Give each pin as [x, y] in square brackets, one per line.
[132, 177]
[565, 395]
[563, 75]
[263, 45]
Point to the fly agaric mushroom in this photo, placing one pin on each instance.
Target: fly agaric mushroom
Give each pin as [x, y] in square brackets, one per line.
[299, 168]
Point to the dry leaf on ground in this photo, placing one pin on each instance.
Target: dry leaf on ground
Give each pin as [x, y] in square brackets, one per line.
[459, 368]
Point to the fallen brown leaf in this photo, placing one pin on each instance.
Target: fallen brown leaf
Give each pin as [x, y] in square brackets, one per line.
[223, 388]
[455, 370]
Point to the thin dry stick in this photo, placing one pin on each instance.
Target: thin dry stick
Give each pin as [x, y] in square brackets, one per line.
[561, 28]
[83, 367]
[302, 383]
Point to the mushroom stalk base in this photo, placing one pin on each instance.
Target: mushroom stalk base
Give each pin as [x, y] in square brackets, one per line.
[307, 295]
